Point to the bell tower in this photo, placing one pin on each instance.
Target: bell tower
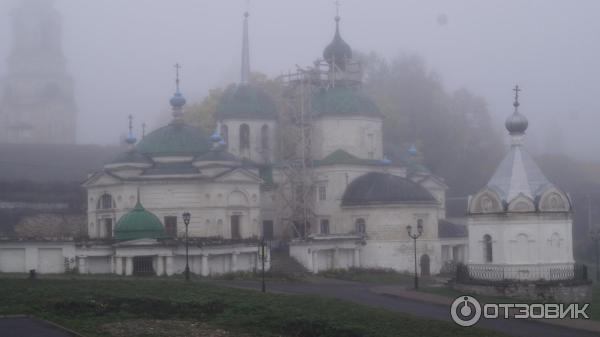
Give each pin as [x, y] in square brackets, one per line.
[37, 103]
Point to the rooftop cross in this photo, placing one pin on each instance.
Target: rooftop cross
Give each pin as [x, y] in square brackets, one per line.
[337, 4]
[517, 90]
[177, 67]
[130, 123]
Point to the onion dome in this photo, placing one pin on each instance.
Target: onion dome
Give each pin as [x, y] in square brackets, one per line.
[344, 100]
[338, 51]
[139, 224]
[175, 139]
[246, 101]
[412, 151]
[377, 188]
[177, 101]
[516, 124]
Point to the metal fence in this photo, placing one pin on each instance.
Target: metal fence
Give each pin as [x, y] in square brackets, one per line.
[542, 272]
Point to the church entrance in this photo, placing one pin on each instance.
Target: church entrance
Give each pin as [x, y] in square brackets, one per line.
[235, 227]
[425, 265]
[143, 266]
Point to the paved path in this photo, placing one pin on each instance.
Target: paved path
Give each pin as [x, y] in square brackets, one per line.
[28, 327]
[361, 293]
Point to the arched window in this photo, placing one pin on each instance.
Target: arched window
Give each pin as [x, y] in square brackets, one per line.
[264, 138]
[105, 202]
[244, 137]
[225, 135]
[487, 248]
[361, 225]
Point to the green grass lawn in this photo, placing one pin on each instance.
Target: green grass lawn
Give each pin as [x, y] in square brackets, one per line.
[377, 276]
[85, 304]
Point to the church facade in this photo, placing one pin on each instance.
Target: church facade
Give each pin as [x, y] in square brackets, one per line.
[236, 185]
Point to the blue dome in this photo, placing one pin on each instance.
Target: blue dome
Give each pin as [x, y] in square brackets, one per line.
[130, 139]
[177, 101]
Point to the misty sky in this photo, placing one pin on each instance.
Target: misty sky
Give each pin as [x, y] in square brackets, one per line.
[121, 54]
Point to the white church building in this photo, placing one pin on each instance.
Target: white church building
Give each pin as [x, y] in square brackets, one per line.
[233, 184]
[519, 224]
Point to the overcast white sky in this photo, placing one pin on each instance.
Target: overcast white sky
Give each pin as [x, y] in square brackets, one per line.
[121, 53]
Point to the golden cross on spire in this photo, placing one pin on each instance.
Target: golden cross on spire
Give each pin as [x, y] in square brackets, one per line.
[177, 67]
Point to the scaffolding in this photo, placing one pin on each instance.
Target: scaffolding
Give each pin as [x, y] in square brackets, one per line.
[296, 181]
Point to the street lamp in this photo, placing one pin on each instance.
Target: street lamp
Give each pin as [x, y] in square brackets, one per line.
[186, 220]
[415, 236]
[595, 236]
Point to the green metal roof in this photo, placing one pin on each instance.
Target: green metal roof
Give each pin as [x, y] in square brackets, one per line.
[341, 157]
[246, 101]
[344, 100]
[139, 224]
[130, 157]
[175, 139]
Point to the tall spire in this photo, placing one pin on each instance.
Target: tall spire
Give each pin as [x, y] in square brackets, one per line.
[245, 51]
[177, 101]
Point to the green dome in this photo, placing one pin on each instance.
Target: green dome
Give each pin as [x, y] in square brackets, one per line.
[344, 100]
[139, 224]
[246, 101]
[130, 157]
[175, 139]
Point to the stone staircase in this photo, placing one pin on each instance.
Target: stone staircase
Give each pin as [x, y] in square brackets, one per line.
[284, 265]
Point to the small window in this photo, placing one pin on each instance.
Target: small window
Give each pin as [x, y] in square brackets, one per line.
[105, 202]
[268, 229]
[225, 135]
[108, 227]
[171, 225]
[487, 248]
[264, 137]
[324, 226]
[361, 226]
[244, 137]
[322, 193]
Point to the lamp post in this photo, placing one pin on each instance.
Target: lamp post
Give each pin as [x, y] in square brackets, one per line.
[186, 220]
[595, 235]
[264, 257]
[415, 236]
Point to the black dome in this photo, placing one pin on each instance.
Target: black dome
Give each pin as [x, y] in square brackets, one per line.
[384, 188]
[338, 50]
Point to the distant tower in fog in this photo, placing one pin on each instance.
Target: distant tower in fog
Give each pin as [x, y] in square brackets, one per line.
[37, 104]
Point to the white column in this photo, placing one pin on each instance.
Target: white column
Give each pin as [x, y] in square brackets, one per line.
[205, 268]
[197, 264]
[336, 255]
[169, 266]
[356, 258]
[129, 266]
[309, 265]
[234, 256]
[119, 265]
[160, 265]
[315, 261]
[111, 263]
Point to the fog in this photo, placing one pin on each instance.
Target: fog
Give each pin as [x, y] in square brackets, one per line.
[121, 54]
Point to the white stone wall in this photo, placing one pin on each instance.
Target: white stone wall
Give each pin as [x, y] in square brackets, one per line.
[522, 239]
[44, 257]
[211, 205]
[357, 135]
[256, 153]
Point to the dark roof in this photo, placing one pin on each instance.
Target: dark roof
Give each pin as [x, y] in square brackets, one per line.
[217, 155]
[344, 100]
[384, 188]
[341, 157]
[171, 168]
[338, 50]
[52, 162]
[246, 101]
[448, 229]
[131, 157]
[175, 139]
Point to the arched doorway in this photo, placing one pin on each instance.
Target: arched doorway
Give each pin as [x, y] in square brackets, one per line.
[425, 265]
